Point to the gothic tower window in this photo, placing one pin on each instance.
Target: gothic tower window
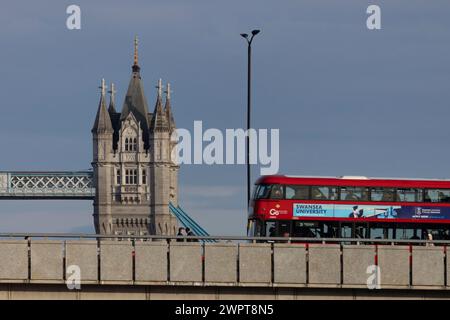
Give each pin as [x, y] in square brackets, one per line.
[135, 181]
[130, 144]
[144, 176]
[118, 177]
[131, 176]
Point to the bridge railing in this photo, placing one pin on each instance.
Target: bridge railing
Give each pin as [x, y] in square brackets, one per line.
[169, 238]
[230, 261]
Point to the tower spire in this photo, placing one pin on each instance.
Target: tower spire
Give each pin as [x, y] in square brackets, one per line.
[135, 50]
[168, 108]
[168, 91]
[135, 67]
[159, 86]
[102, 122]
[159, 119]
[112, 99]
[103, 88]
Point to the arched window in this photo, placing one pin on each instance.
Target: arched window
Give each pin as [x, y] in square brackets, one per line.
[131, 176]
[134, 144]
[118, 178]
[126, 144]
[135, 180]
[144, 176]
[127, 176]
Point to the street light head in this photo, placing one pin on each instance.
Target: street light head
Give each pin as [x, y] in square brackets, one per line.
[244, 35]
[255, 32]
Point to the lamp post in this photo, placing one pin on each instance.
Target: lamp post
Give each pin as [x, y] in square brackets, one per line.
[249, 40]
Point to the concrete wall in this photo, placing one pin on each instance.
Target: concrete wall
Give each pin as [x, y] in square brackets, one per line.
[289, 264]
[356, 261]
[13, 260]
[324, 264]
[428, 268]
[47, 260]
[223, 264]
[151, 261]
[255, 263]
[394, 265]
[185, 262]
[116, 261]
[82, 254]
[447, 267]
[131, 292]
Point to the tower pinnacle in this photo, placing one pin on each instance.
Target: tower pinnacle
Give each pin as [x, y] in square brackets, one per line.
[102, 122]
[168, 109]
[135, 50]
[159, 87]
[103, 88]
[168, 91]
[112, 99]
[135, 66]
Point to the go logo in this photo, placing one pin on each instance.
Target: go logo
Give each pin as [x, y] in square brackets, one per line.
[275, 212]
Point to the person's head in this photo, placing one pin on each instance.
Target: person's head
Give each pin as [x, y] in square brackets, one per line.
[180, 230]
[355, 207]
[188, 230]
[276, 191]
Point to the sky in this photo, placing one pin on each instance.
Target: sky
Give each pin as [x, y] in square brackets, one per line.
[347, 100]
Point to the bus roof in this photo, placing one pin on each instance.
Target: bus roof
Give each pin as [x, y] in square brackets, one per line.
[356, 181]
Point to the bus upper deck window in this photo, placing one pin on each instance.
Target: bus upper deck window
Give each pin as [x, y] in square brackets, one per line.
[277, 192]
[354, 193]
[437, 195]
[324, 193]
[409, 195]
[382, 194]
[297, 192]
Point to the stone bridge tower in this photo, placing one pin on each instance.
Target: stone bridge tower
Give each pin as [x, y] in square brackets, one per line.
[134, 176]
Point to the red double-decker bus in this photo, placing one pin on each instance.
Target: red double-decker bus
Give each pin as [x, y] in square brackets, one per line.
[350, 207]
